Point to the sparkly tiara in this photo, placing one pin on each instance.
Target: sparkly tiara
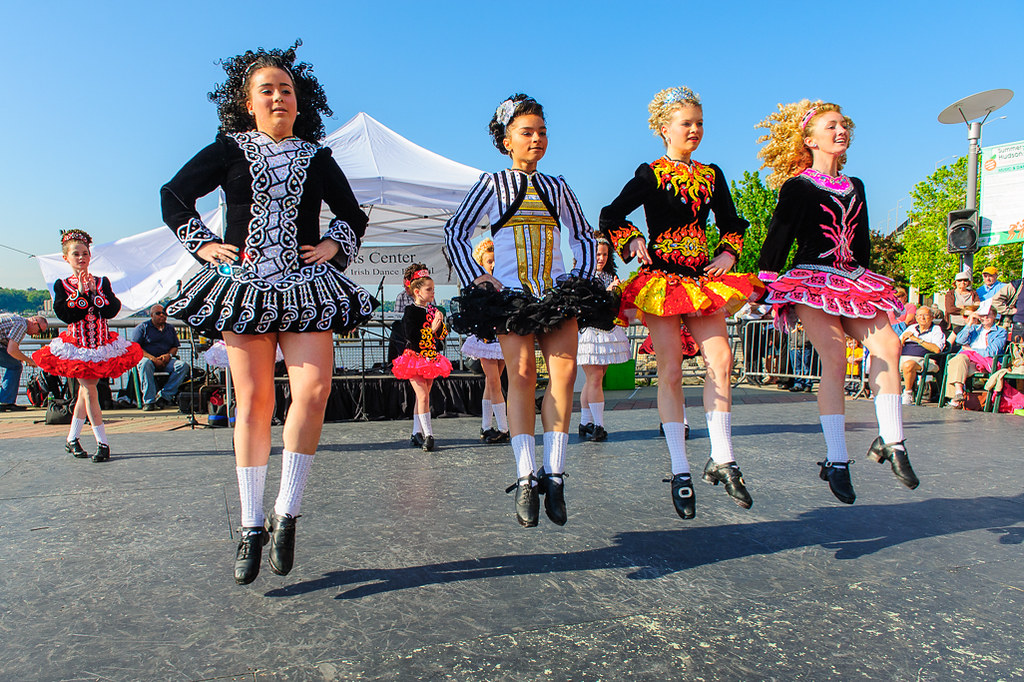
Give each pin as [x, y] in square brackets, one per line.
[419, 274]
[75, 235]
[683, 94]
[807, 117]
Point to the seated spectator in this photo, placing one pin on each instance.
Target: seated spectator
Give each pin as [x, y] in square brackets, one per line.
[920, 338]
[159, 342]
[982, 343]
[801, 358]
[899, 321]
[1006, 302]
[991, 283]
[960, 300]
[854, 362]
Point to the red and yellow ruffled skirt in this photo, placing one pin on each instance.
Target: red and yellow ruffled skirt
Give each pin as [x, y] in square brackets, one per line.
[654, 292]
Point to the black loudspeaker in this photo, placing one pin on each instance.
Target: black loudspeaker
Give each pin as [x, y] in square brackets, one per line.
[962, 231]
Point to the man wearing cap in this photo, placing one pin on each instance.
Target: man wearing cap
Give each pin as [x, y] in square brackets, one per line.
[961, 299]
[12, 330]
[990, 277]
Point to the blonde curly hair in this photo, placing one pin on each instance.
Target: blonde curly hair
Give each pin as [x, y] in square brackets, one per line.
[485, 246]
[668, 101]
[785, 152]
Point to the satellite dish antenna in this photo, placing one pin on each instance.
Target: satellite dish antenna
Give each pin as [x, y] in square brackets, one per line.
[979, 105]
[968, 110]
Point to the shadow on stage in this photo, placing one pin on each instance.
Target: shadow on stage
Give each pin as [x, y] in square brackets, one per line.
[850, 532]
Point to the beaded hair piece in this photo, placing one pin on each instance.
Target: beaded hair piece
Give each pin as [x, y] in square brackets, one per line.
[606, 242]
[807, 117]
[504, 112]
[75, 235]
[419, 274]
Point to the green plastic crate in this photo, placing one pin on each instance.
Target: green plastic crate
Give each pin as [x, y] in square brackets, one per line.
[621, 377]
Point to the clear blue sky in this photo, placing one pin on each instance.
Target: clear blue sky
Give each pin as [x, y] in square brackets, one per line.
[104, 101]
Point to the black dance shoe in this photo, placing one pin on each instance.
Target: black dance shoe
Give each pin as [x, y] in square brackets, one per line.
[682, 495]
[527, 500]
[281, 549]
[75, 449]
[499, 437]
[249, 553]
[585, 431]
[598, 434]
[838, 476]
[416, 441]
[554, 496]
[428, 444]
[102, 453]
[897, 457]
[729, 475]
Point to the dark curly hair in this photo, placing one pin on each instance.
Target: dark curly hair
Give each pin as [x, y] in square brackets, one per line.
[609, 266]
[524, 106]
[231, 95]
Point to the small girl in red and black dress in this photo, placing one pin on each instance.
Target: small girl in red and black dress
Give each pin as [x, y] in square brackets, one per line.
[87, 350]
[421, 363]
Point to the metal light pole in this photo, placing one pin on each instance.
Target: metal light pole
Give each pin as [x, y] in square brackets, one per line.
[976, 106]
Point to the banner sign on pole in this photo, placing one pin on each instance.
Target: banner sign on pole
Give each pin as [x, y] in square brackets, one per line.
[1002, 194]
[373, 263]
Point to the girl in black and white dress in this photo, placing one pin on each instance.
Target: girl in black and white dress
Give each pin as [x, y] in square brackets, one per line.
[529, 299]
[273, 279]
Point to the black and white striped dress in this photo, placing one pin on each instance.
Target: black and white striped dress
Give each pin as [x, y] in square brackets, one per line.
[526, 213]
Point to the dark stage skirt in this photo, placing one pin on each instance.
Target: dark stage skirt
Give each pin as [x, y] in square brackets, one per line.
[233, 298]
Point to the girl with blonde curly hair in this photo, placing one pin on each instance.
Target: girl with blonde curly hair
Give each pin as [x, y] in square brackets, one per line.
[492, 409]
[678, 281]
[830, 289]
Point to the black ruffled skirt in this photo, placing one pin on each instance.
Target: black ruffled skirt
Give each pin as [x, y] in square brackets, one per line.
[486, 312]
[233, 298]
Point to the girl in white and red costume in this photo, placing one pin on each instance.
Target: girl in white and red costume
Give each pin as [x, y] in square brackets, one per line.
[87, 350]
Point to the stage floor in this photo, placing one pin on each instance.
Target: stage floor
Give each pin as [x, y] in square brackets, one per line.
[410, 565]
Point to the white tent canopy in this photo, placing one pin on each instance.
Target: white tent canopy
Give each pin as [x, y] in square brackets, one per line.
[408, 192]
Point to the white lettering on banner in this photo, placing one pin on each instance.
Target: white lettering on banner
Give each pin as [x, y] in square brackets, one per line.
[1002, 194]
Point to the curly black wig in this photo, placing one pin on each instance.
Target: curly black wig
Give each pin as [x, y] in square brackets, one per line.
[523, 105]
[231, 95]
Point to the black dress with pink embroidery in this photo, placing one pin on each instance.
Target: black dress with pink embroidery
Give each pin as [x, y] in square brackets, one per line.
[828, 218]
[87, 349]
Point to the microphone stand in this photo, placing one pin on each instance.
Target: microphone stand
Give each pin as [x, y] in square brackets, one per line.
[191, 422]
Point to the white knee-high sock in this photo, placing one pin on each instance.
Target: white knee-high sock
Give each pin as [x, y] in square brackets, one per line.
[889, 412]
[720, 434]
[425, 427]
[554, 451]
[416, 424]
[676, 447]
[294, 474]
[586, 415]
[834, 428]
[486, 414]
[76, 429]
[501, 416]
[597, 409]
[524, 449]
[251, 482]
[100, 431]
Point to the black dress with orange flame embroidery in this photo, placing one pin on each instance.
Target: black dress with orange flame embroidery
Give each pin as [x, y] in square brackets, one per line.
[677, 199]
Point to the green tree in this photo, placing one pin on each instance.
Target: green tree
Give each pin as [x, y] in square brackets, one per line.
[886, 255]
[23, 301]
[929, 266]
[755, 203]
